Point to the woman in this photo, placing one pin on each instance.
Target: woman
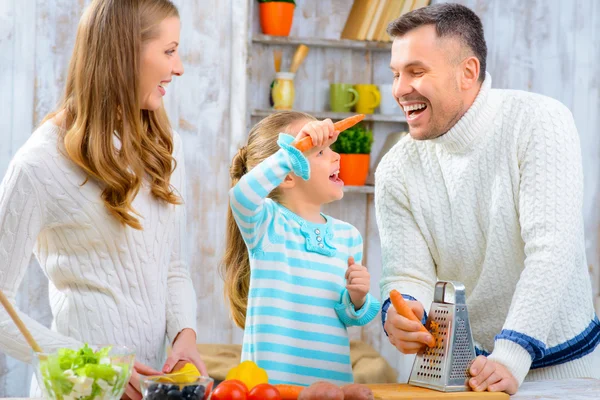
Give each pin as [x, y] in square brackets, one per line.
[97, 193]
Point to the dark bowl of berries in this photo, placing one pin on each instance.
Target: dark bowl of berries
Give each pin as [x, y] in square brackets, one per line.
[167, 388]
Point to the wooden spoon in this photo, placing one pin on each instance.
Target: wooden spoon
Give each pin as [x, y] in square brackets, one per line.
[15, 317]
[299, 57]
[277, 60]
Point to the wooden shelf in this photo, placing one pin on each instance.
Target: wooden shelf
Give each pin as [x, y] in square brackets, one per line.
[368, 189]
[400, 118]
[316, 42]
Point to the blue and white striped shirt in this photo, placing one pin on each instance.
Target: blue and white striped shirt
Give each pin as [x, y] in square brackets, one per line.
[298, 306]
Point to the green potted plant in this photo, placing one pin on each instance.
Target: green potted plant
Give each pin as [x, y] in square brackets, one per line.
[354, 147]
[276, 16]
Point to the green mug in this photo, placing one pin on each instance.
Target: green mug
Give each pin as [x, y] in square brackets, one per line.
[342, 97]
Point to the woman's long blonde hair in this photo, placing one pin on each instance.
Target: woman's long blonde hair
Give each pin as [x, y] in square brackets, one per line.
[235, 266]
[101, 99]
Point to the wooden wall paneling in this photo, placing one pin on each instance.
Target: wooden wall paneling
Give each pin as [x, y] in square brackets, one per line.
[8, 40]
[585, 105]
[38, 48]
[202, 118]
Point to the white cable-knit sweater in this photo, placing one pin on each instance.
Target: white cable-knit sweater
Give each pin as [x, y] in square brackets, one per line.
[109, 284]
[496, 203]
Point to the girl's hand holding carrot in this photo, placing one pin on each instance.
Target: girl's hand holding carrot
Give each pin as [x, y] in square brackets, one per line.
[321, 133]
[304, 144]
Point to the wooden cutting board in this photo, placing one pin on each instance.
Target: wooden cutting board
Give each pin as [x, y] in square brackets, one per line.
[398, 391]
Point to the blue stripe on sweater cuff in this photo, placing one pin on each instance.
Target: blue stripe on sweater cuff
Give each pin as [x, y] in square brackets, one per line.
[577, 347]
[348, 314]
[481, 352]
[384, 308]
[534, 347]
[386, 305]
[300, 165]
[573, 349]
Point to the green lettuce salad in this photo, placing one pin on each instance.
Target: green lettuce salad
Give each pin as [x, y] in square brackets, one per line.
[83, 374]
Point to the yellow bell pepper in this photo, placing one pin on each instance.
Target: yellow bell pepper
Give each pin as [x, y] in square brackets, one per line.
[249, 373]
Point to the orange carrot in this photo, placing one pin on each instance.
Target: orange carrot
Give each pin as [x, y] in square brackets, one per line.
[289, 392]
[403, 309]
[306, 142]
[348, 122]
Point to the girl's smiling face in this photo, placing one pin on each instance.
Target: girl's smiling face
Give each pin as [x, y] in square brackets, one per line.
[324, 186]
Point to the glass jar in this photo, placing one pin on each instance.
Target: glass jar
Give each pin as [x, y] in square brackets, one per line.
[283, 91]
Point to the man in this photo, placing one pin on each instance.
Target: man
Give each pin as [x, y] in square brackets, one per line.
[487, 191]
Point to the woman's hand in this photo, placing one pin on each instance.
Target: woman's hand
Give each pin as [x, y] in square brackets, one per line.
[132, 391]
[184, 351]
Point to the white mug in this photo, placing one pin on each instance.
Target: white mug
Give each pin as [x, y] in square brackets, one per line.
[388, 103]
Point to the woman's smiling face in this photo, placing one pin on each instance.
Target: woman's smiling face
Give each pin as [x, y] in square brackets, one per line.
[159, 62]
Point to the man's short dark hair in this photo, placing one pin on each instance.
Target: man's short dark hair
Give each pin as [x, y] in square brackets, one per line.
[450, 20]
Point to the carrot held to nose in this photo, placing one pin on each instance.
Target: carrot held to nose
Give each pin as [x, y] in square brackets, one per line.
[403, 309]
[306, 142]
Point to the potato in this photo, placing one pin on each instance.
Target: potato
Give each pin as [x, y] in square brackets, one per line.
[322, 391]
[357, 392]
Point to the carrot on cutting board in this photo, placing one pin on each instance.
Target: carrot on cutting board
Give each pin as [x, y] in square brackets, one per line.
[305, 143]
[403, 309]
[289, 392]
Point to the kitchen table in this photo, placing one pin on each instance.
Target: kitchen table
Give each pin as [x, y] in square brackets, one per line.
[568, 389]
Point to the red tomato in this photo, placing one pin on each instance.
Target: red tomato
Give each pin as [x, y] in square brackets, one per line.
[264, 391]
[237, 382]
[230, 390]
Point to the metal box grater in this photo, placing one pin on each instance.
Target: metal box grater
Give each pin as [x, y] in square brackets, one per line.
[445, 366]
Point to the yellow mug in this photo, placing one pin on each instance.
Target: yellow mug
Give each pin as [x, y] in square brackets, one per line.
[368, 98]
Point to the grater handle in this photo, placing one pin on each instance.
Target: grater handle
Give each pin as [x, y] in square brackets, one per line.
[449, 292]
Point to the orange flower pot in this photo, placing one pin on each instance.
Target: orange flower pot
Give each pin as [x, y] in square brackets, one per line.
[354, 169]
[276, 18]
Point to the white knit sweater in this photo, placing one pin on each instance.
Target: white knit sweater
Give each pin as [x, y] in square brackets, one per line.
[109, 284]
[496, 203]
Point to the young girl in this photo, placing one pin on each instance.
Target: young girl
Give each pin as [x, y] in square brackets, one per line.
[293, 275]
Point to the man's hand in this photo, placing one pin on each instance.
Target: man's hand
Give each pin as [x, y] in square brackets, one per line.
[404, 334]
[358, 283]
[491, 376]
